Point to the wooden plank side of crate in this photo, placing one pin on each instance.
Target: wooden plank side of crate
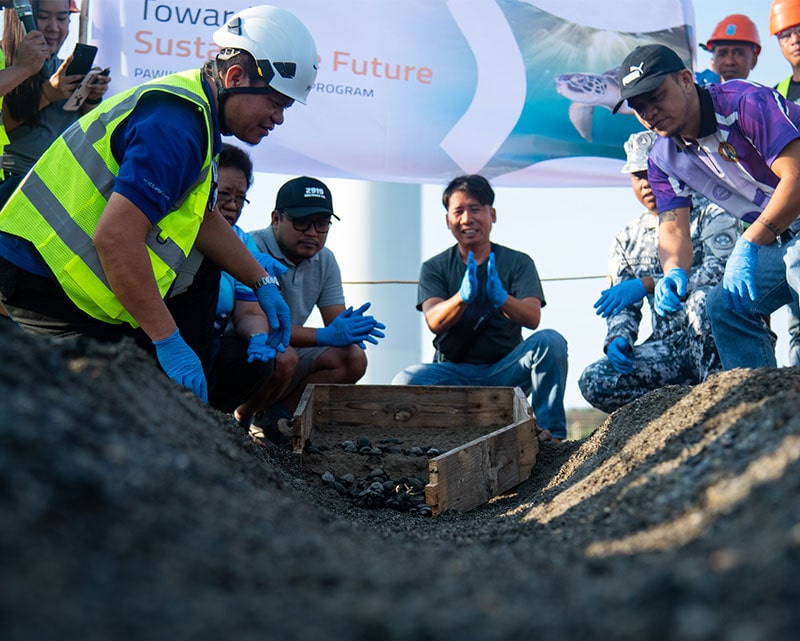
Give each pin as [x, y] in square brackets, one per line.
[303, 419]
[415, 406]
[470, 475]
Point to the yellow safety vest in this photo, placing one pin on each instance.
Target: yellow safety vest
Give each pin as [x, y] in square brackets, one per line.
[60, 201]
[783, 86]
[3, 135]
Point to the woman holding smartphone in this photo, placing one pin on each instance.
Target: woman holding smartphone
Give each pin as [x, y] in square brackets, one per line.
[33, 112]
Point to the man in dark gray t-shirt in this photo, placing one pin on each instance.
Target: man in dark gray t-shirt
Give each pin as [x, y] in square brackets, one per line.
[477, 297]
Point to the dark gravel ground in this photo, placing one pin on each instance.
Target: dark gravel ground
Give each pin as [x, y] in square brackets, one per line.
[129, 510]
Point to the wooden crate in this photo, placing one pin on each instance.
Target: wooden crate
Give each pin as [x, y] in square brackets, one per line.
[459, 479]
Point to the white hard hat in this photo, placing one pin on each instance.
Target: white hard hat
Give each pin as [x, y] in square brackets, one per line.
[281, 45]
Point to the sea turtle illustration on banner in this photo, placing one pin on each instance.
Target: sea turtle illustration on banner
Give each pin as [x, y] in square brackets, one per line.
[587, 91]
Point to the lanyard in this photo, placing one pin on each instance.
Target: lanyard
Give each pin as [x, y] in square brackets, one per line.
[708, 160]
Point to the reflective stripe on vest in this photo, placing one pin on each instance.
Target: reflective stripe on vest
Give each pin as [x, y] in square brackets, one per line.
[3, 135]
[61, 222]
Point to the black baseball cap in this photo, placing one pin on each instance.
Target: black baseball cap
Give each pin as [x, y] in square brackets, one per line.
[304, 196]
[644, 69]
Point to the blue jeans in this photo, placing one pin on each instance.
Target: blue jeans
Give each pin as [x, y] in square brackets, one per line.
[744, 339]
[538, 366]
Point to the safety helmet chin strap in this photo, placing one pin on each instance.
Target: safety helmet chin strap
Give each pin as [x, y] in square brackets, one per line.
[224, 92]
[222, 97]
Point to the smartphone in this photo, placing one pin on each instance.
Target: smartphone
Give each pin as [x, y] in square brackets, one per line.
[82, 59]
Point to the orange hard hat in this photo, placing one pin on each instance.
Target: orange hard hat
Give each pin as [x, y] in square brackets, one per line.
[783, 14]
[737, 28]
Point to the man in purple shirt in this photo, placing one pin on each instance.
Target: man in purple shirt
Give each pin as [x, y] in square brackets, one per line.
[738, 144]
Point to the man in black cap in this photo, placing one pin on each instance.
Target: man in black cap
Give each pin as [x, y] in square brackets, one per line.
[738, 144]
[334, 353]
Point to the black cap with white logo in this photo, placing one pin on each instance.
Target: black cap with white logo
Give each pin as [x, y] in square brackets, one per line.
[304, 196]
[644, 69]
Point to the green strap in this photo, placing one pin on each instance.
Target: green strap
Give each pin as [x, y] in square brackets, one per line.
[783, 86]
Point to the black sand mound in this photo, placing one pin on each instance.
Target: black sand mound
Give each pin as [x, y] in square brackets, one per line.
[129, 510]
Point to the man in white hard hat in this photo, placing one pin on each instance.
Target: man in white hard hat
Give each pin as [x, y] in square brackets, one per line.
[101, 258]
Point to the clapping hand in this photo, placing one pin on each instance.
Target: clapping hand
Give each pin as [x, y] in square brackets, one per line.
[494, 286]
[469, 285]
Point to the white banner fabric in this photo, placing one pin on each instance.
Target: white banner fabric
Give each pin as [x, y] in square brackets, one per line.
[422, 90]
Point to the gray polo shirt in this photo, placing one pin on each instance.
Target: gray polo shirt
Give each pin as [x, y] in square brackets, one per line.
[315, 281]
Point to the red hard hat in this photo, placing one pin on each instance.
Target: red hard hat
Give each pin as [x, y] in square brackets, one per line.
[736, 28]
[782, 15]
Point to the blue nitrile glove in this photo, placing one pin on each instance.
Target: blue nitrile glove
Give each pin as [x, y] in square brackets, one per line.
[618, 352]
[181, 364]
[278, 316]
[669, 291]
[351, 328]
[259, 350]
[624, 294]
[273, 266]
[377, 326]
[469, 285]
[739, 279]
[494, 286]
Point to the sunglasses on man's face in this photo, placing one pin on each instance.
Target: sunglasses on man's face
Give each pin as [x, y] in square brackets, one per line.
[302, 224]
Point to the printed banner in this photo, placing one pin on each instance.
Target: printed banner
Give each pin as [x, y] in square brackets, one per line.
[421, 90]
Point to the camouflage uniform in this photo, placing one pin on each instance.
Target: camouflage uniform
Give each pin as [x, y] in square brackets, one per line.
[680, 349]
